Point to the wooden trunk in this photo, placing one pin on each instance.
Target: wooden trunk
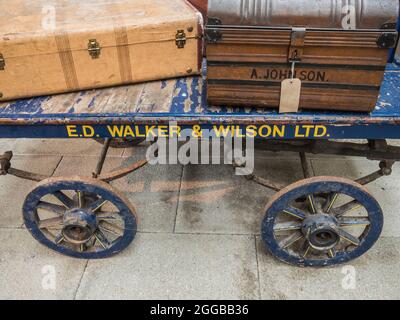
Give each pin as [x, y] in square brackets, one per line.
[200, 5]
[68, 45]
[252, 46]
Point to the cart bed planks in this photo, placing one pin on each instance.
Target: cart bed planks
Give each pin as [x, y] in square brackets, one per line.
[184, 101]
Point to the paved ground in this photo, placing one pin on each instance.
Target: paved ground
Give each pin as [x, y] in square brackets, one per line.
[199, 234]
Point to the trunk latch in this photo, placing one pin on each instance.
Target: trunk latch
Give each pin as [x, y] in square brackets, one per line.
[94, 49]
[180, 39]
[296, 44]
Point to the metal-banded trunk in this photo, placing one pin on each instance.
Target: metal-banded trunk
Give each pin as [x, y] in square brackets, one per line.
[67, 45]
[339, 50]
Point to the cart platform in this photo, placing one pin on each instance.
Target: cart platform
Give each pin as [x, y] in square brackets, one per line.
[105, 112]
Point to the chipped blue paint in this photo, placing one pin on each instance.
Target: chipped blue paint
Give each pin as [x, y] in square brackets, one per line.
[195, 97]
[189, 104]
[93, 101]
[181, 94]
[30, 106]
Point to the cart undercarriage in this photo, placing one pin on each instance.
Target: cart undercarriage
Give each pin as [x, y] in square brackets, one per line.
[318, 221]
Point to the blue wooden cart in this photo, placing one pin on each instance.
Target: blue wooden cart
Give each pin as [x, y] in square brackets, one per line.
[318, 221]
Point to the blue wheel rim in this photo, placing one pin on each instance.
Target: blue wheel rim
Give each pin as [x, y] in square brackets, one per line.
[321, 185]
[125, 210]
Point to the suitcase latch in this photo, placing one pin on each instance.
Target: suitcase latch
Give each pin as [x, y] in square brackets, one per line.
[94, 49]
[180, 39]
[297, 39]
[2, 62]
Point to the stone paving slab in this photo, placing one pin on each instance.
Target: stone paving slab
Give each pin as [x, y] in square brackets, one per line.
[153, 190]
[386, 189]
[212, 255]
[79, 147]
[172, 266]
[216, 201]
[376, 276]
[27, 269]
[14, 190]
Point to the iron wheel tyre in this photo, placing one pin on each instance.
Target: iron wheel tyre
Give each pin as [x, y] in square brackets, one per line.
[303, 226]
[96, 222]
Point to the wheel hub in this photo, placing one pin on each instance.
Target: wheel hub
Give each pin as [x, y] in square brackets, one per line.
[322, 231]
[79, 226]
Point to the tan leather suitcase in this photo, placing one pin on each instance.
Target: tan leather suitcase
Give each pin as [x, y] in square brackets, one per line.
[49, 47]
[338, 50]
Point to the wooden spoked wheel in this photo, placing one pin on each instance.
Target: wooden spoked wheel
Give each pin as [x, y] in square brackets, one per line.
[321, 221]
[80, 217]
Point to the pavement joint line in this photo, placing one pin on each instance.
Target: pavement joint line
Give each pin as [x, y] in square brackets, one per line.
[258, 268]
[12, 228]
[312, 166]
[58, 164]
[179, 196]
[80, 280]
[200, 233]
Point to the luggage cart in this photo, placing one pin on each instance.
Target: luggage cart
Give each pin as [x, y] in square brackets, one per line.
[308, 223]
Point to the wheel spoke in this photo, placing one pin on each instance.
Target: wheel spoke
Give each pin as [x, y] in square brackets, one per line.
[307, 250]
[348, 237]
[113, 216]
[287, 226]
[112, 228]
[311, 202]
[297, 213]
[65, 200]
[51, 207]
[97, 205]
[354, 221]
[59, 239]
[81, 199]
[331, 253]
[101, 238]
[350, 206]
[290, 240]
[330, 202]
[49, 223]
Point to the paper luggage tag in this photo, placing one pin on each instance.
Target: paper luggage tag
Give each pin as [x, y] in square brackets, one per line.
[290, 96]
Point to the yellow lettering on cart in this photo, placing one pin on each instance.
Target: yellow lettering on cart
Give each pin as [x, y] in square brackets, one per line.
[138, 134]
[150, 130]
[279, 131]
[72, 132]
[175, 131]
[297, 133]
[320, 131]
[128, 132]
[251, 131]
[221, 131]
[239, 132]
[163, 131]
[88, 131]
[265, 131]
[116, 131]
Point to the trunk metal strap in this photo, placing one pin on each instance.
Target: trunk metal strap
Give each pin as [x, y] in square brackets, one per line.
[297, 39]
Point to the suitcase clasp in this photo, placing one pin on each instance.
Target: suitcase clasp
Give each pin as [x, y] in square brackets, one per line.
[2, 62]
[180, 39]
[94, 49]
[297, 39]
